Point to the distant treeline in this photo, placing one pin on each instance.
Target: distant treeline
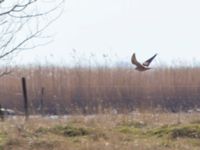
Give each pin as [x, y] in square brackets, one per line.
[97, 90]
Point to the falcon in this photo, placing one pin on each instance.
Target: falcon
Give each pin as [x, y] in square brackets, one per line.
[144, 66]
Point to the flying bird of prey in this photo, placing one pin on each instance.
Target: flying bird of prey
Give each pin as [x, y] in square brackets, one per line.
[144, 66]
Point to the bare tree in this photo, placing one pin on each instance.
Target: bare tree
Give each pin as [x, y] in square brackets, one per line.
[22, 23]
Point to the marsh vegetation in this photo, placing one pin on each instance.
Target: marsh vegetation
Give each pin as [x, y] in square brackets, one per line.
[88, 90]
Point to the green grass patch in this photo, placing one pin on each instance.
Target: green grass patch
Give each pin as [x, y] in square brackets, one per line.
[3, 140]
[42, 130]
[176, 131]
[70, 131]
[2, 137]
[67, 131]
[171, 131]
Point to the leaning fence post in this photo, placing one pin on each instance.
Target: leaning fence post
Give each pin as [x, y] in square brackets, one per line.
[42, 102]
[25, 98]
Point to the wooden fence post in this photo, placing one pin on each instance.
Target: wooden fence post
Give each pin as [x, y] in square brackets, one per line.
[42, 102]
[24, 88]
[1, 113]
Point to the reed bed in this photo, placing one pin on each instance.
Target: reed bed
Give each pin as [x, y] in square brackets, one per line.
[102, 89]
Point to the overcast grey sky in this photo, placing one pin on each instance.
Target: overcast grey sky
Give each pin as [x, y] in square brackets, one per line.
[170, 28]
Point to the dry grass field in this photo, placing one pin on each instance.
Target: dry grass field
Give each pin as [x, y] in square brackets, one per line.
[138, 130]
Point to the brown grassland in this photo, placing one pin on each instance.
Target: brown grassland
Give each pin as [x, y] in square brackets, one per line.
[139, 130]
[110, 108]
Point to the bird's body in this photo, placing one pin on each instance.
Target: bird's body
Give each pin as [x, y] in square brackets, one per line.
[144, 66]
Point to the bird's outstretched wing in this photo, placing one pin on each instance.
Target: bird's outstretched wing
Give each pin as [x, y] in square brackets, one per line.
[147, 62]
[134, 61]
